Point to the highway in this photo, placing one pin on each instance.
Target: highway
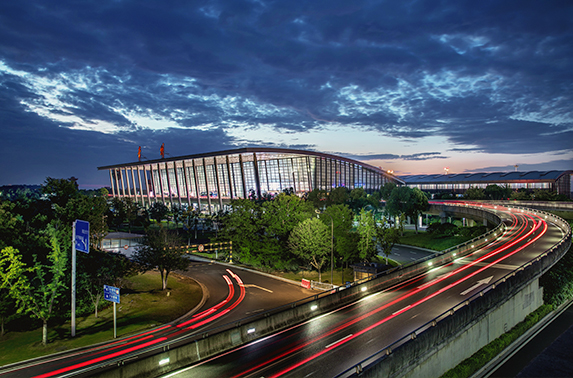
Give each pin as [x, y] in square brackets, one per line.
[230, 294]
[329, 344]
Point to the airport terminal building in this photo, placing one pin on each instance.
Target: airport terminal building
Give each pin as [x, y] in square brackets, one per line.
[210, 180]
[556, 181]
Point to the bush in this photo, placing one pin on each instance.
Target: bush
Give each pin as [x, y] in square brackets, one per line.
[472, 232]
[442, 229]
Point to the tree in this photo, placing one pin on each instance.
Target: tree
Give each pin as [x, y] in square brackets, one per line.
[242, 226]
[344, 238]
[496, 192]
[387, 237]
[358, 199]
[473, 193]
[318, 198]
[7, 308]
[418, 205]
[338, 196]
[277, 219]
[400, 202]
[60, 191]
[10, 223]
[310, 240]
[158, 211]
[367, 231]
[386, 190]
[35, 288]
[522, 194]
[160, 250]
[102, 268]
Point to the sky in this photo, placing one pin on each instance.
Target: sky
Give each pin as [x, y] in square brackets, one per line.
[409, 86]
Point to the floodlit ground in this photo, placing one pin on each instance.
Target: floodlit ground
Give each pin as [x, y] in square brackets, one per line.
[143, 306]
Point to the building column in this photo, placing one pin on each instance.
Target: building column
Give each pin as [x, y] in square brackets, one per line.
[257, 178]
[218, 184]
[122, 182]
[168, 185]
[245, 194]
[196, 185]
[111, 182]
[186, 177]
[207, 185]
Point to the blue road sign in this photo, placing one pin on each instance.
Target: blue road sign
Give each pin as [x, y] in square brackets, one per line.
[111, 293]
[82, 236]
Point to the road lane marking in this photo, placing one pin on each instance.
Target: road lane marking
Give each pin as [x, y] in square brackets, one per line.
[336, 342]
[485, 281]
[258, 287]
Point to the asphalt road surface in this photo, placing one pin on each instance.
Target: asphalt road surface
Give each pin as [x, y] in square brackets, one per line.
[329, 344]
[231, 294]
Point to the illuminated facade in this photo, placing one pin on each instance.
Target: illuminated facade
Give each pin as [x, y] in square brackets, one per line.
[556, 181]
[208, 181]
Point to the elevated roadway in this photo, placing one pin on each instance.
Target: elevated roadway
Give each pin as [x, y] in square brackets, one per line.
[341, 340]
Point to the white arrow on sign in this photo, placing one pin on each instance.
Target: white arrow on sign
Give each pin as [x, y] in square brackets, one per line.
[485, 281]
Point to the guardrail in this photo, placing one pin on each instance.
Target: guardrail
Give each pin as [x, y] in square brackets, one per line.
[198, 346]
[556, 250]
[201, 345]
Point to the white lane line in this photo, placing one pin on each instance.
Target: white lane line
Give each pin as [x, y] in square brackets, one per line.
[336, 342]
[258, 287]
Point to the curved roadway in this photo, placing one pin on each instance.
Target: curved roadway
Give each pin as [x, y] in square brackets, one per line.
[334, 342]
[230, 294]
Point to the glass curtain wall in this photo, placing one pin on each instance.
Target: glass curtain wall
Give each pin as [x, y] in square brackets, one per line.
[214, 180]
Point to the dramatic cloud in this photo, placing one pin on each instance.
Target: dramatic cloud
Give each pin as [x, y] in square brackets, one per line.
[84, 84]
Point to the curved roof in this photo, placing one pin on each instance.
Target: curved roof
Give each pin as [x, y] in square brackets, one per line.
[251, 150]
[485, 177]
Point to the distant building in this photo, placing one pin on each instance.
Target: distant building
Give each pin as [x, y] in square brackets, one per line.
[210, 180]
[556, 181]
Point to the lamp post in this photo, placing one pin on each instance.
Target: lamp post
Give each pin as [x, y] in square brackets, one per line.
[331, 245]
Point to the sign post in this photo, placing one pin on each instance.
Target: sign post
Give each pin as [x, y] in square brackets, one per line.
[80, 242]
[111, 294]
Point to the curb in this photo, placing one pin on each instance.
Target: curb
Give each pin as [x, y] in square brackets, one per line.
[202, 259]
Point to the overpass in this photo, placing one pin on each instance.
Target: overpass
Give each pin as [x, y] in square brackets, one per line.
[409, 321]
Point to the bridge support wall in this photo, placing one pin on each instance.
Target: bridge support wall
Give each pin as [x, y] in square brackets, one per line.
[404, 359]
[458, 335]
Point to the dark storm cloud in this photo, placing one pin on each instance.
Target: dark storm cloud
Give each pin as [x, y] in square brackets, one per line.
[490, 76]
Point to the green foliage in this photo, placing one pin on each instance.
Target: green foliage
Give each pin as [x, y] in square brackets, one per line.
[472, 232]
[60, 191]
[472, 364]
[35, 288]
[438, 230]
[344, 238]
[101, 268]
[358, 199]
[367, 230]
[386, 190]
[387, 237]
[159, 211]
[475, 194]
[160, 249]
[496, 192]
[310, 240]
[558, 281]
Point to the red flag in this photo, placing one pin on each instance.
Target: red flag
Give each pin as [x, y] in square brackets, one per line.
[162, 150]
[139, 153]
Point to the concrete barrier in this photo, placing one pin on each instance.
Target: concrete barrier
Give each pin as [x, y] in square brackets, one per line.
[190, 350]
[461, 331]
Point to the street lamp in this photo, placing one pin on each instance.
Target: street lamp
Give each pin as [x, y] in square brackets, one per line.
[331, 245]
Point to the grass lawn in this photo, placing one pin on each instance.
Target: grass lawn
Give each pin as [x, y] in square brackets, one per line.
[425, 240]
[143, 306]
